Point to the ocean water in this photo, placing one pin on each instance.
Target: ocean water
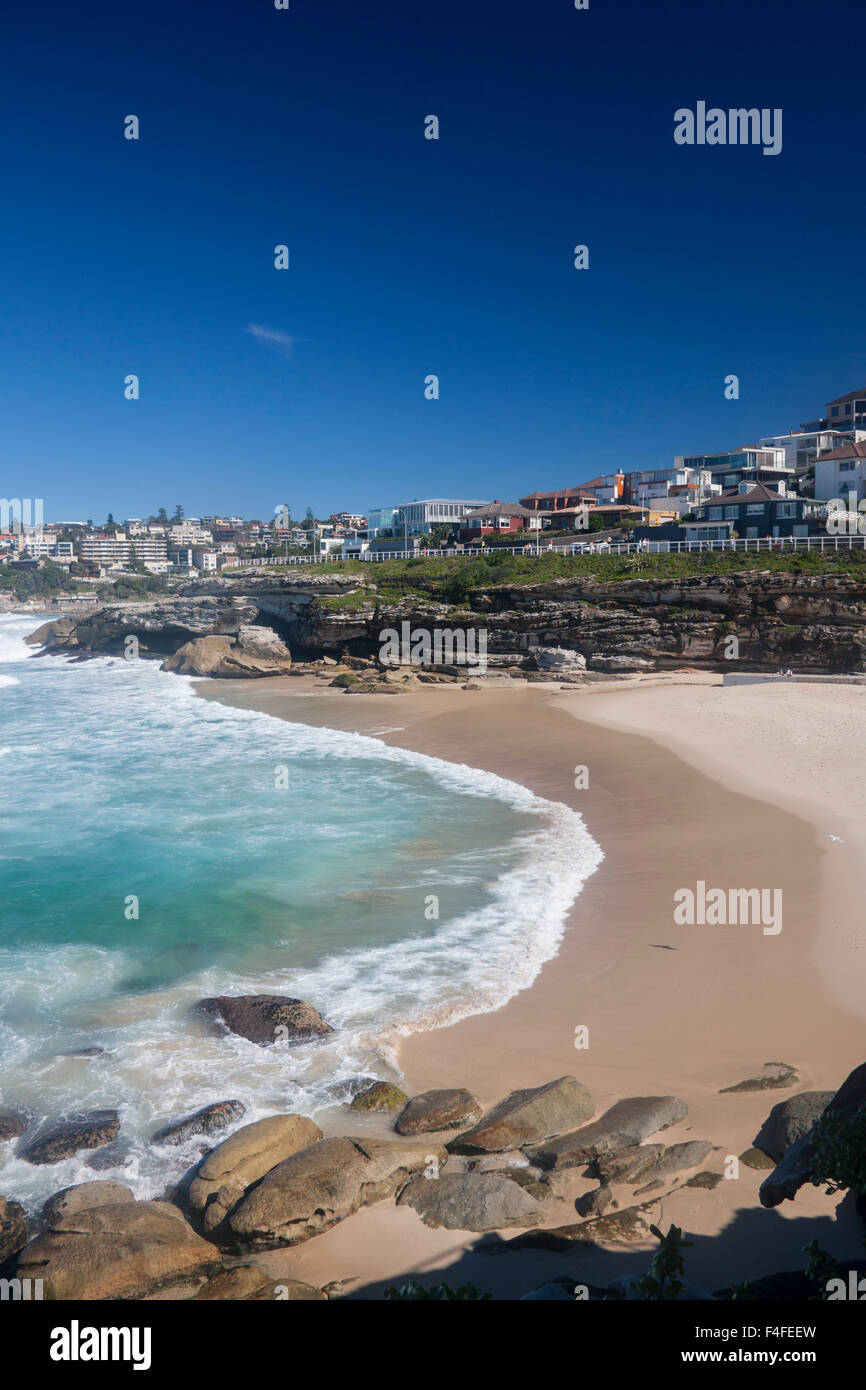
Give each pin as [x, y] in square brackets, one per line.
[264, 856]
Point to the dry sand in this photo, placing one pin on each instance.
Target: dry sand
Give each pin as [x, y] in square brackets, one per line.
[736, 786]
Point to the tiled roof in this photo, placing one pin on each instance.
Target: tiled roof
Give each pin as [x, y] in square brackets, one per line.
[840, 400]
[844, 451]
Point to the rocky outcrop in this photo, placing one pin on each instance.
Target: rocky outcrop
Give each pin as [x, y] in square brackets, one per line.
[83, 1197]
[13, 1123]
[570, 628]
[265, 1019]
[625, 1125]
[791, 1120]
[795, 1168]
[255, 651]
[595, 1202]
[629, 1226]
[438, 1110]
[14, 1229]
[247, 1283]
[379, 1095]
[525, 1117]
[129, 1250]
[205, 1121]
[67, 1137]
[773, 1076]
[159, 628]
[558, 659]
[471, 1202]
[323, 1184]
[227, 1173]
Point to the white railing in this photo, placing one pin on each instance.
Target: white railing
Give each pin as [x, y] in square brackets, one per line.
[822, 544]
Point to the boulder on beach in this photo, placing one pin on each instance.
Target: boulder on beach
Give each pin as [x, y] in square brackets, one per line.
[626, 1165]
[228, 1171]
[264, 1018]
[323, 1184]
[378, 1096]
[471, 1202]
[82, 1197]
[205, 1121]
[64, 1138]
[595, 1202]
[795, 1167]
[129, 1250]
[676, 1159]
[790, 1120]
[254, 651]
[248, 1283]
[625, 1125]
[434, 1110]
[756, 1158]
[558, 659]
[772, 1076]
[525, 1117]
[629, 1226]
[14, 1229]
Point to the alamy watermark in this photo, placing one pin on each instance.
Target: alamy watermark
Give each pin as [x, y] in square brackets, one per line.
[718, 907]
[846, 517]
[736, 126]
[22, 516]
[443, 646]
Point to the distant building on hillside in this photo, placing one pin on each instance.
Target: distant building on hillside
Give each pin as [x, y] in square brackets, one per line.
[380, 519]
[498, 518]
[569, 500]
[749, 463]
[754, 512]
[416, 518]
[802, 447]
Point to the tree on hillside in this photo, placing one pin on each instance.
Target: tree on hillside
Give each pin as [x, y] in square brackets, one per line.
[162, 516]
[178, 514]
[309, 520]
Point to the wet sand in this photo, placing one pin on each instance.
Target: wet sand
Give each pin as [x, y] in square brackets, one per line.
[669, 1009]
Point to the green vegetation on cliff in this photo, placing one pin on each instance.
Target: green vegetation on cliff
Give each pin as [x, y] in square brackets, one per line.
[453, 578]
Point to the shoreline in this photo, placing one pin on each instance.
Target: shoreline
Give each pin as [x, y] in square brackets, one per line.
[687, 1020]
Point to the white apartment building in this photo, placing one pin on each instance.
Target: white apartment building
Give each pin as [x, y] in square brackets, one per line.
[149, 549]
[802, 447]
[48, 549]
[105, 550]
[416, 518]
[184, 533]
[842, 473]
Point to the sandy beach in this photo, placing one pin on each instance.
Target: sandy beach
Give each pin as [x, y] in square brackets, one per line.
[739, 787]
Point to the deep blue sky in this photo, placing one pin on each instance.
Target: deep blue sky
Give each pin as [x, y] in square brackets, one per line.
[411, 256]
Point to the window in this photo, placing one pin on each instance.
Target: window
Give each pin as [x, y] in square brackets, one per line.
[732, 513]
[715, 513]
[847, 466]
[834, 410]
[755, 509]
[786, 509]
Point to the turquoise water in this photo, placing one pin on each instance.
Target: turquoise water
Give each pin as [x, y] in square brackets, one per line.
[120, 784]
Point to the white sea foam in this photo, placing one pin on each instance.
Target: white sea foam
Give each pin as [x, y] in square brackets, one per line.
[155, 1066]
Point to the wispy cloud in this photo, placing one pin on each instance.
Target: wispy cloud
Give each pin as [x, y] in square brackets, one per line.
[283, 343]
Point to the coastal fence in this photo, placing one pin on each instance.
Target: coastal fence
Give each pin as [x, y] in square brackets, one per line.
[742, 545]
